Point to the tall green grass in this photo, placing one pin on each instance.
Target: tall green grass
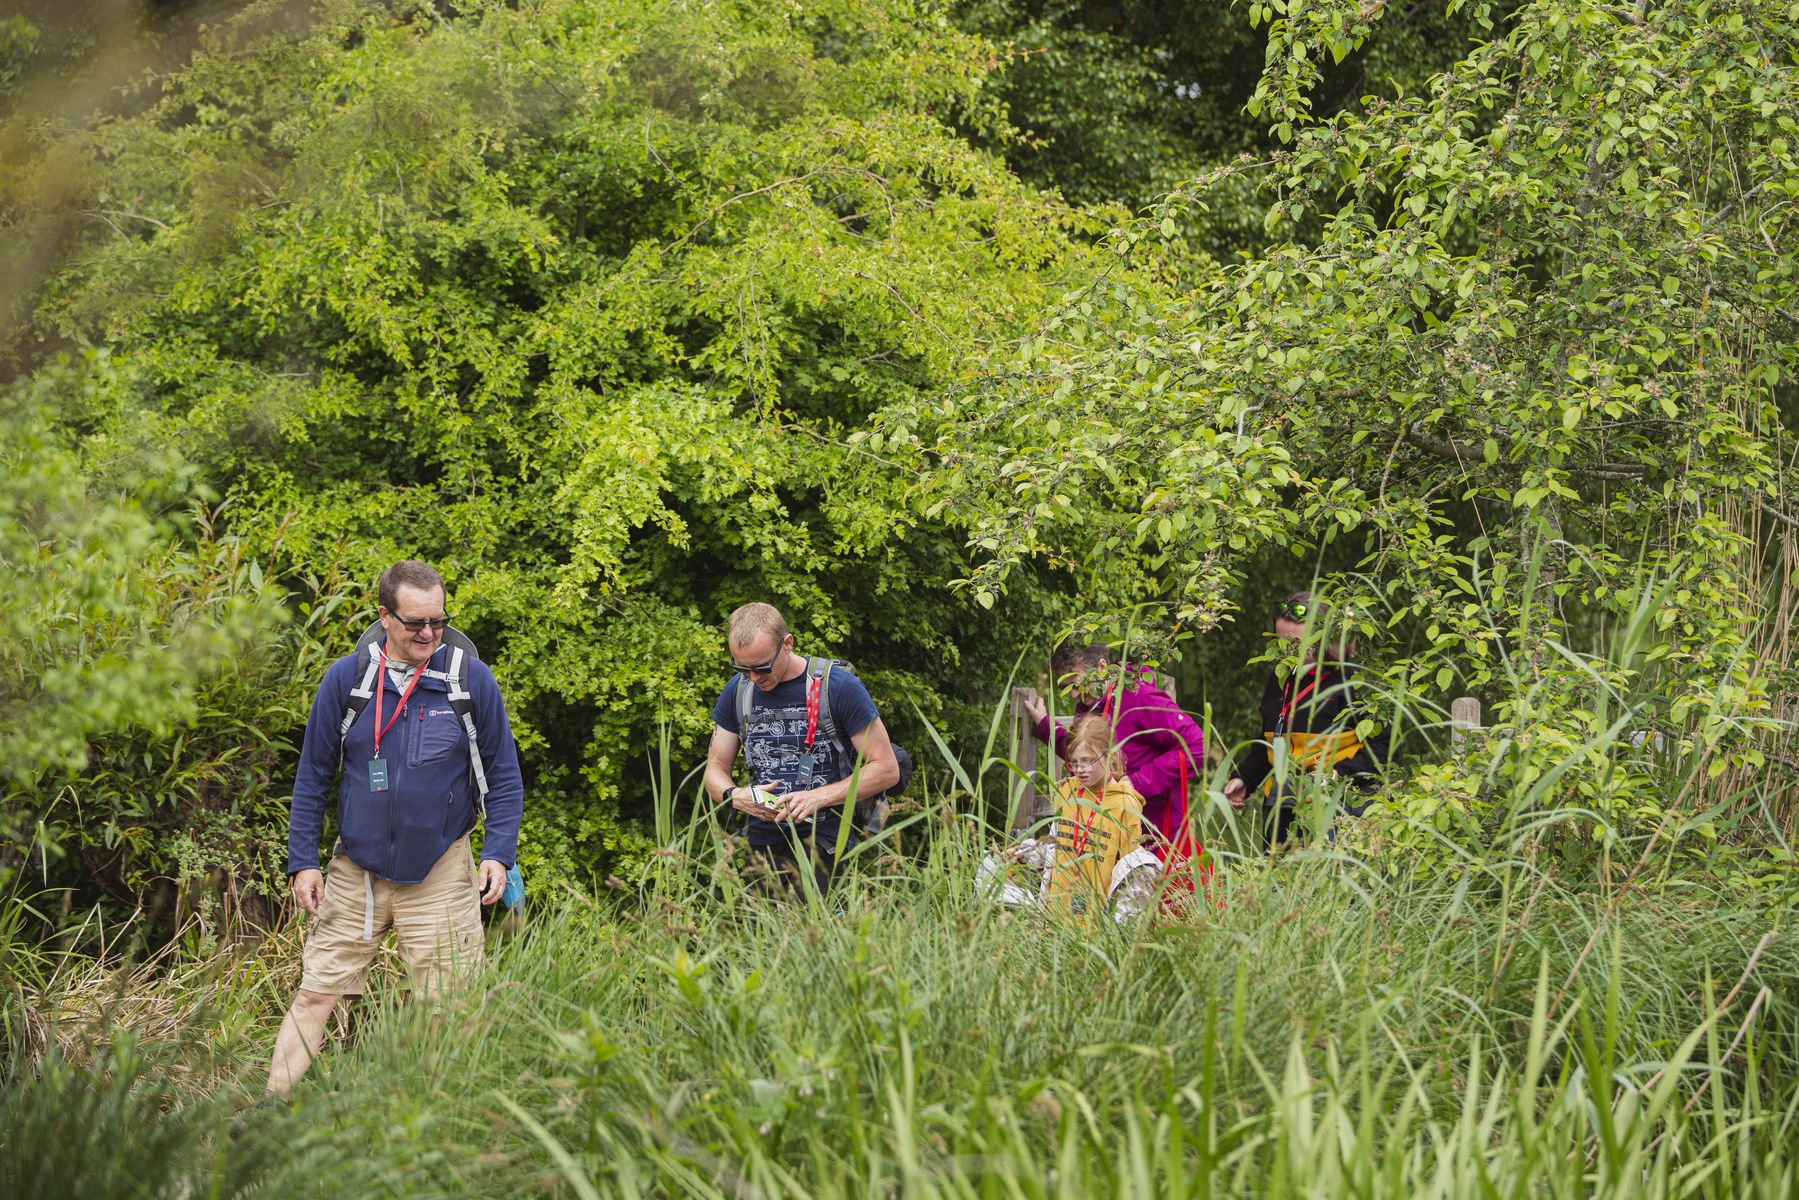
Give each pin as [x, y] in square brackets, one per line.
[1331, 1032]
[1513, 1022]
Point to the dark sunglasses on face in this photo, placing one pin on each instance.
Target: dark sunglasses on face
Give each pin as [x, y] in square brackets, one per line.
[1295, 612]
[766, 669]
[434, 624]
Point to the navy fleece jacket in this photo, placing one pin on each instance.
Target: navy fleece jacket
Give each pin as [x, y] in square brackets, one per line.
[430, 800]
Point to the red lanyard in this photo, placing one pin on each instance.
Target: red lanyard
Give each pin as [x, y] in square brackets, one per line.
[1082, 829]
[812, 690]
[1081, 824]
[1293, 699]
[380, 689]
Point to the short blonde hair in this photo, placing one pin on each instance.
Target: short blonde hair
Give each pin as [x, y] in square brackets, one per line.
[1092, 734]
[749, 621]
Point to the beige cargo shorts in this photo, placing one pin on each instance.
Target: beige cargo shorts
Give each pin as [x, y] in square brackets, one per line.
[436, 922]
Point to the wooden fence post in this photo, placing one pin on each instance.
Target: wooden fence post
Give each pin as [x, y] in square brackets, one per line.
[1032, 756]
[1024, 752]
[1464, 714]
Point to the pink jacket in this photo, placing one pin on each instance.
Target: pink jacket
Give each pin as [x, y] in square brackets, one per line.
[1154, 734]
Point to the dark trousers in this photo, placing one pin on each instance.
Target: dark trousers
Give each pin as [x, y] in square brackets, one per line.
[1278, 821]
[778, 867]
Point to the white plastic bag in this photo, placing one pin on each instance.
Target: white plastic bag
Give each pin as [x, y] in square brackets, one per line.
[990, 881]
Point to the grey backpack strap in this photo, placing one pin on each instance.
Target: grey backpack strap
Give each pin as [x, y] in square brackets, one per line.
[821, 669]
[464, 704]
[745, 697]
[360, 695]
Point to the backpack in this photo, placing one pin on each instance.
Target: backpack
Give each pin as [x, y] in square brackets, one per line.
[462, 649]
[871, 811]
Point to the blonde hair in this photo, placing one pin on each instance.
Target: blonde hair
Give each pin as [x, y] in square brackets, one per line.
[1093, 735]
[752, 620]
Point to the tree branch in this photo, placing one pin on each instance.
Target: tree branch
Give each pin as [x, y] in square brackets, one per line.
[1461, 452]
[1777, 514]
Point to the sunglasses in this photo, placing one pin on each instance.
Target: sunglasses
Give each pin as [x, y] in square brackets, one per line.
[434, 624]
[1296, 612]
[767, 668]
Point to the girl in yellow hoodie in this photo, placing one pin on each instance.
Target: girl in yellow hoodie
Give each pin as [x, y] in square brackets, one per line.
[1099, 821]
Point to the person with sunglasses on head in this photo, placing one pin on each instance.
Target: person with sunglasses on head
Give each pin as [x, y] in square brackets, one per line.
[808, 729]
[1315, 713]
[407, 801]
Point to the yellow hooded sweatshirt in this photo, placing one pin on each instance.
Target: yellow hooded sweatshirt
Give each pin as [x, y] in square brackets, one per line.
[1092, 833]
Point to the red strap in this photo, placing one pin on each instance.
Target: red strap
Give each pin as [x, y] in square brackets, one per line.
[1079, 837]
[381, 689]
[1294, 699]
[812, 690]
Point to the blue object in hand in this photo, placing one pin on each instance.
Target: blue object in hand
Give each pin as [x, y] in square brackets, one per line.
[514, 893]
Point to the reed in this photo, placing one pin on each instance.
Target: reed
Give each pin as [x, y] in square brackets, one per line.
[1333, 1030]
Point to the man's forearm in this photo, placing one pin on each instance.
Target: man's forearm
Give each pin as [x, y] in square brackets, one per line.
[875, 777]
[719, 782]
[305, 824]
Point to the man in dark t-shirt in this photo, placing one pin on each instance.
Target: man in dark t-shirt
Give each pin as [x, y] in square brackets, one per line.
[798, 779]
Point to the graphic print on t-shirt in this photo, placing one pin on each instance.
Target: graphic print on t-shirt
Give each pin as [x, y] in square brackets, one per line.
[775, 745]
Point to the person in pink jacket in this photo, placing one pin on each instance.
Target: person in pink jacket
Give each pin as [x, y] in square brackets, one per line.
[1163, 747]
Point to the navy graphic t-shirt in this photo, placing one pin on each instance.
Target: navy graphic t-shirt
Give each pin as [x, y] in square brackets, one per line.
[777, 739]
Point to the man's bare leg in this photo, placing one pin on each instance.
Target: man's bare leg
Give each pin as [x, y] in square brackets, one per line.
[302, 1035]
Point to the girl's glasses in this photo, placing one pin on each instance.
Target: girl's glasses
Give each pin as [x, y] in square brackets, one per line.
[1083, 765]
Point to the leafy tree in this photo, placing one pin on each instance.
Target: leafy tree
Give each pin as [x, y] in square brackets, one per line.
[1127, 102]
[577, 300]
[115, 636]
[1531, 366]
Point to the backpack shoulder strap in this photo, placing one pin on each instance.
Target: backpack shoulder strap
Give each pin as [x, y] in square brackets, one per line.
[456, 679]
[745, 698]
[359, 698]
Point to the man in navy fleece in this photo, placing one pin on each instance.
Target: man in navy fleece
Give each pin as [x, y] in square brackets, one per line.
[406, 803]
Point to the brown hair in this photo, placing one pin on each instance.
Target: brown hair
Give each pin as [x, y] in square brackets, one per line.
[1075, 652]
[406, 573]
[750, 620]
[1093, 734]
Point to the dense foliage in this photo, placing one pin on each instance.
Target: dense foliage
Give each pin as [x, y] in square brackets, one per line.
[625, 314]
[1128, 101]
[1522, 340]
[141, 667]
[576, 302]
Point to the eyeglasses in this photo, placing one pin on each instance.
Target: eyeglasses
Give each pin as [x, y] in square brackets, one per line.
[766, 669]
[434, 624]
[1083, 764]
